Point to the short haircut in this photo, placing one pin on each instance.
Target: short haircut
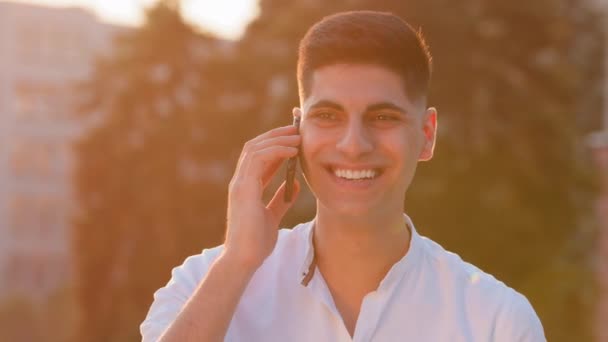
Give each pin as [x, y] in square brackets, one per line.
[366, 37]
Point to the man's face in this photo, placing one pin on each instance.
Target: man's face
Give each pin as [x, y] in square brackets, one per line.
[362, 138]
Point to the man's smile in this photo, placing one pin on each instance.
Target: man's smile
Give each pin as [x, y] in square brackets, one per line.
[354, 177]
[354, 172]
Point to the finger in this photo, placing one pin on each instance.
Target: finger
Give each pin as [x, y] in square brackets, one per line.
[276, 132]
[291, 140]
[277, 206]
[270, 172]
[256, 164]
[251, 144]
[284, 140]
[260, 161]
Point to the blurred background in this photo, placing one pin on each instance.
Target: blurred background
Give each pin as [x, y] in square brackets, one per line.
[121, 123]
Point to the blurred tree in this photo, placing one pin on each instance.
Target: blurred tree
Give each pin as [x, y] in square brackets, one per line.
[511, 190]
[52, 319]
[507, 188]
[153, 172]
[19, 320]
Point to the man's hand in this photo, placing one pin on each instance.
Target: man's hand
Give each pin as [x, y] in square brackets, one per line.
[252, 226]
[251, 236]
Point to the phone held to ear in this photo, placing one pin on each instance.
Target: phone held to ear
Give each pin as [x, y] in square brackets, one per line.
[291, 168]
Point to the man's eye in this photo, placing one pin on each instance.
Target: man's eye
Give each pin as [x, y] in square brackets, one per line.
[325, 115]
[385, 117]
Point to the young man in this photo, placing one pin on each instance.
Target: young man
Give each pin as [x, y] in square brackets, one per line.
[358, 271]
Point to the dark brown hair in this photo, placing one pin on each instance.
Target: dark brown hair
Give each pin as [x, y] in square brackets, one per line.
[366, 37]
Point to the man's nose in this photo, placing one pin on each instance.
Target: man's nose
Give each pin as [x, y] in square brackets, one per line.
[355, 140]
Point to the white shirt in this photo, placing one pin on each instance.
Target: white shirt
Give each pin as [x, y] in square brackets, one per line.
[428, 295]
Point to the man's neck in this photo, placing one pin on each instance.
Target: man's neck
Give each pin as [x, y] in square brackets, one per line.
[354, 255]
[365, 247]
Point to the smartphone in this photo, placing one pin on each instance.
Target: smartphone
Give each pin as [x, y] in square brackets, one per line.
[291, 168]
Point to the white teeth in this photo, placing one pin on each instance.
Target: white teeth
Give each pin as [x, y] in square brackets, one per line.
[357, 174]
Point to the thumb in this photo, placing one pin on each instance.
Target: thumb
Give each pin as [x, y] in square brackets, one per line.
[277, 206]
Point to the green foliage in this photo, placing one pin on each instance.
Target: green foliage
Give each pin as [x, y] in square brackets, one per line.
[507, 188]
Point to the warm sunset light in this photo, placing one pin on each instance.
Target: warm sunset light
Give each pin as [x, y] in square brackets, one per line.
[303, 170]
[226, 18]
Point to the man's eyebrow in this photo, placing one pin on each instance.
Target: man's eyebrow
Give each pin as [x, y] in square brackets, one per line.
[385, 105]
[326, 104]
[372, 107]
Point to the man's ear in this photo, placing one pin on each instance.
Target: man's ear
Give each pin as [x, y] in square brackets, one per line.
[429, 128]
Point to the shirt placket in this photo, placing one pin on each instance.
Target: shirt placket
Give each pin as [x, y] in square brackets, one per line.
[320, 291]
[369, 317]
[373, 304]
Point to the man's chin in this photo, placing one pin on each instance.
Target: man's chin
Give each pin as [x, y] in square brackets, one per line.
[349, 210]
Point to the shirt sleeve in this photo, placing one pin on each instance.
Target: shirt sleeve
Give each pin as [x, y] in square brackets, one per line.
[518, 322]
[170, 299]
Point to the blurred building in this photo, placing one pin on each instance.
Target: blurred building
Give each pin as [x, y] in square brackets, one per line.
[42, 52]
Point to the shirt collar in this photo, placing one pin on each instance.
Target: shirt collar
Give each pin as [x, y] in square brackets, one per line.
[307, 269]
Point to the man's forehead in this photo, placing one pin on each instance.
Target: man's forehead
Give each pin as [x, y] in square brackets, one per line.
[357, 85]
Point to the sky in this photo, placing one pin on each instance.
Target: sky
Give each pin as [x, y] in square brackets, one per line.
[226, 18]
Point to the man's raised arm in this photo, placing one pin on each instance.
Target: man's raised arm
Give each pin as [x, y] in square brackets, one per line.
[252, 232]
